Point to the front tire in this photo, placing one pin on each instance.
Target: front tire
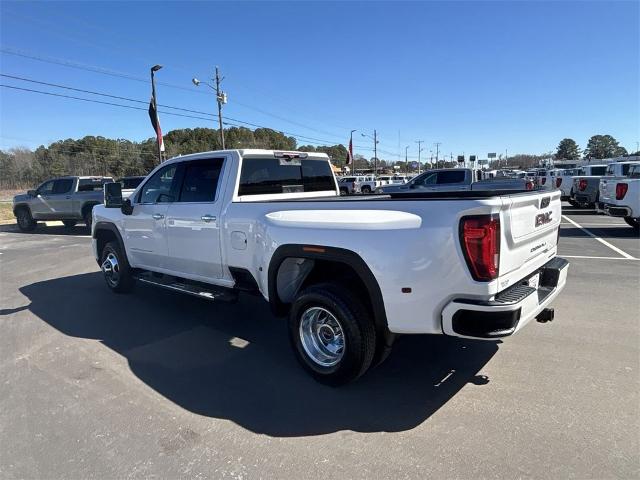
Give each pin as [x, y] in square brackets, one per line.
[87, 217]
[332, 334]
[343, 192]
[116, 269]
[633, 223]
[25, 221]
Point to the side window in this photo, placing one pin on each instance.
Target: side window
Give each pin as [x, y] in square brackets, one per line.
[201, 180]
[62, 186]
[451, 177]
[625, 169]
[46, 188]
[610, 170]
[317, 176]
[160, 188]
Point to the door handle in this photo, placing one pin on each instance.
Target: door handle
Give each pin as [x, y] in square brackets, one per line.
[208, 218]
[157, 216]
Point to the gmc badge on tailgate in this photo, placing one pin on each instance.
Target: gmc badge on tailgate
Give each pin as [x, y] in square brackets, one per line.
[543, 219]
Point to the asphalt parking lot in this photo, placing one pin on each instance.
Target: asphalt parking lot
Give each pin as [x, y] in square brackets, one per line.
[97, 385]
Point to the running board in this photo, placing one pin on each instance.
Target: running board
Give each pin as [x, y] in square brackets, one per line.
[197, 289]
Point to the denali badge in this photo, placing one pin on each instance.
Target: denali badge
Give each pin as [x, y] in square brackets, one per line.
[544, 203]
[543, 219]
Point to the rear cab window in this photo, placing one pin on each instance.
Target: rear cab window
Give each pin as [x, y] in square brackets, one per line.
[595, 171]
[273, 176]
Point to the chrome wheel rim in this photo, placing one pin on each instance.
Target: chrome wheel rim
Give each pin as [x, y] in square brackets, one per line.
[111, 269]
[322, 336]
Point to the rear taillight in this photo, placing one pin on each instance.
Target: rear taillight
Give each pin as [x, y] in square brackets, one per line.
[558, 182]
[529, 185]
[621, 190]
[480, 239]
[582, 185]
[353, 185]
[543, 180]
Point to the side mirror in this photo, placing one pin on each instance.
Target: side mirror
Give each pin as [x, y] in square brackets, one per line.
[112, 195]
[32, 193]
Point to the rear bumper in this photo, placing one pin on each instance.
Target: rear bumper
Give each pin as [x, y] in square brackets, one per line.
[584, 198]
[508, 311]
[617, 211]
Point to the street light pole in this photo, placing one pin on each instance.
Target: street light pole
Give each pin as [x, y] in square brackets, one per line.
[437, 144]
[406, 159]
[419, 142]
[375, 152]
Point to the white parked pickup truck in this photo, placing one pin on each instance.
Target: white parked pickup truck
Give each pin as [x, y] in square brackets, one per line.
[473, 264]
[621, 196]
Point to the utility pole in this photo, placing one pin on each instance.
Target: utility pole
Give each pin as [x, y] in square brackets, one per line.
[222, 98]
[419, 142]
[375, 152]
[375, 149]
[437, 144]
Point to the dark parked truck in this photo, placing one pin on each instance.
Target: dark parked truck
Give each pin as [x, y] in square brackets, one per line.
[69, 199]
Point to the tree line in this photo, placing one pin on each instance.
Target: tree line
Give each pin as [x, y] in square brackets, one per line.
[22, 167]
[598, 147]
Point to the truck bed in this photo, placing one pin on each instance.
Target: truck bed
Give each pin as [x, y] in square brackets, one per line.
[466, 194]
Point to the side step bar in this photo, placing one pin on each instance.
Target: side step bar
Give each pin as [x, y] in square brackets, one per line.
[197, 289]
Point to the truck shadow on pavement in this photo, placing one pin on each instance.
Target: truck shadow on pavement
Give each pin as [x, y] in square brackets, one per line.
[43, 229]
[233, 361]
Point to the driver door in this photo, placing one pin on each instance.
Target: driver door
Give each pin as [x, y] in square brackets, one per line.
[145, 229]
[40, 207]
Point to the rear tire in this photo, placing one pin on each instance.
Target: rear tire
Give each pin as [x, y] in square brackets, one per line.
[366, 189]
[116, 269]
[633, 223]
[332, 334]
[69, 223]
[25, 221]
[344, 191]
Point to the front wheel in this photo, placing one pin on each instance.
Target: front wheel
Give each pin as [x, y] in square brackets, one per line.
[116, 269]
[343, 192]
[26, 223]
[332, 334]
[633, 222]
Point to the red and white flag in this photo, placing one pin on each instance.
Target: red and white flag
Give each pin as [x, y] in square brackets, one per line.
[155, 122]
[350, 152]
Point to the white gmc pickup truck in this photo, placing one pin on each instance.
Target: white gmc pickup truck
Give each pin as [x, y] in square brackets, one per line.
[473, 264]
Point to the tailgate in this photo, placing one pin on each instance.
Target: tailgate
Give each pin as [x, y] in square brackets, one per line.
[530, 233]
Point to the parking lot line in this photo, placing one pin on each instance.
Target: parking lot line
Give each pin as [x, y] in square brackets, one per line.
[604, 242]
[599, 258]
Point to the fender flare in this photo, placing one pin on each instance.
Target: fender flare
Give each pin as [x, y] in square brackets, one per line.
[88, 204]
[102, 226]
[320, 252]
[21, 205]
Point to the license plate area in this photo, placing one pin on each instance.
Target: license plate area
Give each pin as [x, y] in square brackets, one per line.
[534, 281]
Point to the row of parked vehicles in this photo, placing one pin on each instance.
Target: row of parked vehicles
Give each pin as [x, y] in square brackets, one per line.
[612, 189]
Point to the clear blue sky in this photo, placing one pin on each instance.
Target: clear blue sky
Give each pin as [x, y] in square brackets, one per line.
[478, 77]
